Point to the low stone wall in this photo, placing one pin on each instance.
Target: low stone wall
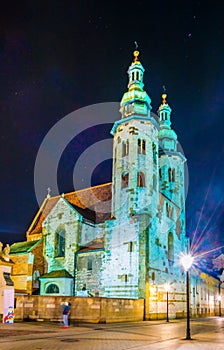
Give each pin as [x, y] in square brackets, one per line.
[83, 309]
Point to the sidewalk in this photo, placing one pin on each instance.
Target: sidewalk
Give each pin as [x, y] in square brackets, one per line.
[136, 336]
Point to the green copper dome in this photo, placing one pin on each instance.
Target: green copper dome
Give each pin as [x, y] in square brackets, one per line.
[167, 133]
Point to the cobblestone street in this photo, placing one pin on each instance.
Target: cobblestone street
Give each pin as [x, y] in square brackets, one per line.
[206, 333]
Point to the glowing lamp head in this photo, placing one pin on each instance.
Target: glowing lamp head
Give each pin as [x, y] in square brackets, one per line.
[186, 261]
[167, 287]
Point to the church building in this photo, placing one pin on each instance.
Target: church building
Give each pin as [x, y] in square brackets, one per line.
[121, 239]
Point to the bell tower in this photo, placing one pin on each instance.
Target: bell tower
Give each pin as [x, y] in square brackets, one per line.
[171, 160]
[135, 149]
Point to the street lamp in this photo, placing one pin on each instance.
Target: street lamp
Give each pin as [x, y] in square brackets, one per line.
[220, 310]
[167, 289]
[187, 261]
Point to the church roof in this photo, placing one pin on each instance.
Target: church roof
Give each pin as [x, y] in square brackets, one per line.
[23, 247]
[57, 274]
[86, 213]
[95, 244]
[92, 203]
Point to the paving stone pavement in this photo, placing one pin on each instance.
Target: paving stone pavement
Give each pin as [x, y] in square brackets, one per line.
[156, 335]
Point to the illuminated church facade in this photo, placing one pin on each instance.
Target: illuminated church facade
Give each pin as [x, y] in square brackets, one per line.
[122, 239]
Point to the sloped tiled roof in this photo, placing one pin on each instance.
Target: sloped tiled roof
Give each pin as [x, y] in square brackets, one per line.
[92, 203]
[57, 274]
[86, 213]
[23, 247]
[95, 244]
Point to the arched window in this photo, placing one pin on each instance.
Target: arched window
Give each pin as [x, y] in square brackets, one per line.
[170, 248]
[36, 276]
[137, 75]
[133, 76]
[170, 174]
[59, 248]
[124, 180]
[141, 146]
[169, 211]
[154, 152]
[125, 148]
[52, 289]
[141, 179]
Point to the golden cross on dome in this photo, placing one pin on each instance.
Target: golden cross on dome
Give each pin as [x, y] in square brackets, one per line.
[136, 53]
[164, 95]
[48, 192]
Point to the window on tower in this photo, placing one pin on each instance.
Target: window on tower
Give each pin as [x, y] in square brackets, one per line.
[169, 211]
[154, 152]
[124, 180]
[171, 175]
[125, 278]
[141, 146]
[137, 76]
[170, 249]
[160, 173]
[125, 148]
[130, 247]
[154, 181]
[133, 76]
[141, 179]
[59, 247]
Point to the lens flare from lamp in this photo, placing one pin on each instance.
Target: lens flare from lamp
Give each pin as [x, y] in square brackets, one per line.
[167, 287]
[186, 261]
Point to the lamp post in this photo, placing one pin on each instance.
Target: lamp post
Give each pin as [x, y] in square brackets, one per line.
[167, 289]
[220, 310]
[187, 261]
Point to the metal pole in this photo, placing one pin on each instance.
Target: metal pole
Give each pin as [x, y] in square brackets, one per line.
[167, 306]
[188, 332]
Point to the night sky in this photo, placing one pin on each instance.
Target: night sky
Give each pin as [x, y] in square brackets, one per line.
[58, 56]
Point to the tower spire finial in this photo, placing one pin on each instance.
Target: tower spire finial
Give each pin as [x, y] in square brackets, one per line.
[136, 53]
[164, 95]
[48, 192]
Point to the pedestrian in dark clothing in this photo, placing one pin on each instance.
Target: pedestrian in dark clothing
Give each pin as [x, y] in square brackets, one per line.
[66, 312]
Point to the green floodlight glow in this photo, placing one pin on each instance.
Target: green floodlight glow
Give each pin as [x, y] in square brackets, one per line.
[186, 261]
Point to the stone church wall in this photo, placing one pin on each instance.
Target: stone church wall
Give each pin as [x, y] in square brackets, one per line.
[92, 310]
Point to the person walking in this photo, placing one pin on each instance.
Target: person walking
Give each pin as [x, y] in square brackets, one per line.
[66, 312]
